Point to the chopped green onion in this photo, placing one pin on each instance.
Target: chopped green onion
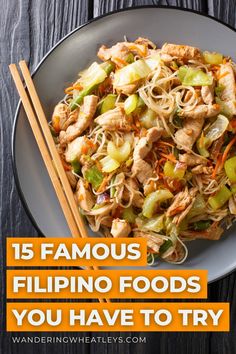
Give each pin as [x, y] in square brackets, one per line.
[230, 169]
[94, 176]
[202, 225]
[213, 58]
[165, 246]
[220, 198]
[119, 153]
[194, 77]
[155, 224]
[76, 166]
[152, 200]
[131, 103]
[109, 164]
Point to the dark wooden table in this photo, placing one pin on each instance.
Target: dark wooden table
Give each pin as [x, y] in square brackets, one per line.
[28, 29]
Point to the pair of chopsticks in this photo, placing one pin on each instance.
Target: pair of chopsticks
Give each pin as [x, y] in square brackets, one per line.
[48, 150]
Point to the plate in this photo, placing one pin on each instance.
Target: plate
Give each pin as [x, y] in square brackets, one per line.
[61, 65]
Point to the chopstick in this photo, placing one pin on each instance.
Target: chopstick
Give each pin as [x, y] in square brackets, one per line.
[66, 200]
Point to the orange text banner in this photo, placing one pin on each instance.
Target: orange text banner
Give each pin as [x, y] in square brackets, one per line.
[55, 252]
[82, 317]
[72, 284]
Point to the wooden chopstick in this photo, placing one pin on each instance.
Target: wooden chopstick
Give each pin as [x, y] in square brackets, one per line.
[76, 225]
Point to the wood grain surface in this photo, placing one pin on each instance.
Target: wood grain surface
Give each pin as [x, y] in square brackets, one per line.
[29, 28]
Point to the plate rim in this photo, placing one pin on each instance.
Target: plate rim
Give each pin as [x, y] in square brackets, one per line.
[77, 29]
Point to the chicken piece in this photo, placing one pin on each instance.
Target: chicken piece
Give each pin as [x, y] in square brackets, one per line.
[84, 120]
[117, 53]
[186, 136]
[127, 89]
[153, 242]
[72, 118]
[201, 169]
[184, 52]
[141, 169]
[213, 233]
[146, 42]
[137, 198]
[192, 160]
[84, 196]
[59, 116]
[76, 147]
[115, 119]
[227, 80]
[181, 205]
[201, 111]
[208, 93]
[120, 228]
[71, 178]
[232, 205]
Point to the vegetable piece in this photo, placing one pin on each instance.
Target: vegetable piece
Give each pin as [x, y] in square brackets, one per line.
[165, 246]
[198, 207]
[201, 225]
[230, 169]
[129, 58]
[102, 198]
[155, 224]
[201, 146]
[194, 77]
[224, 108]
[219, 89]
[107, 68]
[120, 153]
[171, 170]
[227, 150]
[94, 176]
[109, 164]
[213, 58]
[92, 76]
[233, 188]
[113, 189]
[220, 198]
[131, 103]
[76, 166]
[153, 61]
[108, 103]
[129, 215]
[217, 129]
[151, 201]
[148, 119]
[131, 73]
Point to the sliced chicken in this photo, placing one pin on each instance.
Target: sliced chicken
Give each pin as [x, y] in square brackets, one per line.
[146, 42]
[60, 116]
[192, 160]
[72, 118]
[153, 242]
[141, 169]
[201, 169]
[84, 196]
[184, 52]
[115, 119]
[201, 111]
[84, 120]
[75, 149]
[137, 200]
[120, 228]
[118, 53]
[208, 93]
[187, 136]
[227, 81]
[127, 89]
[181, 205]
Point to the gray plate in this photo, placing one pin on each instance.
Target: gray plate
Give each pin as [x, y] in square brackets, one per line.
[61, 66]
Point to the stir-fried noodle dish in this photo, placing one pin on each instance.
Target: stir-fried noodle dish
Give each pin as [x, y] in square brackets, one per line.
[147, 138]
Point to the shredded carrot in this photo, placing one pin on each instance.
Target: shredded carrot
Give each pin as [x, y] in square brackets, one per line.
[227, 149]
[223, 75]
[201, 141]
[165, 143]
[218, 163]
[170, 157]
[103, 184]
[81, 197]
[120, 61]
[74, 87]
[66, 166]
[84, 149]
